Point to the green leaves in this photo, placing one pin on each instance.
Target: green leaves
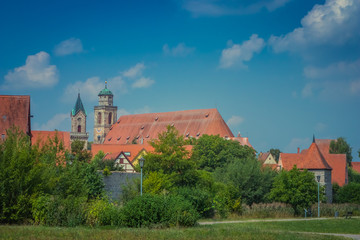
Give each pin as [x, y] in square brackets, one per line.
[341, 146]
[295, 187]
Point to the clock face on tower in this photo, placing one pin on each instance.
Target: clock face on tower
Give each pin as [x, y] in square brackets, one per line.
[98, 130]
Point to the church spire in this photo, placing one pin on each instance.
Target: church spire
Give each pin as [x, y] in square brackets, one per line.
[78, 106]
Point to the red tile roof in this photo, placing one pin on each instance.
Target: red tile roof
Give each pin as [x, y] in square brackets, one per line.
[15, 110]
[133, 149]
[41, 137]
[263, 156]
[317, 156]
[356, 166]
[147, 126]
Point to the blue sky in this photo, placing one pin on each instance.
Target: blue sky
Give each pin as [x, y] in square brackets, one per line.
[278, 71]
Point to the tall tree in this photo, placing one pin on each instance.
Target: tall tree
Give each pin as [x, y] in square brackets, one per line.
[276, 153]
[341, 146]
[170, 157]
[211, 152]
[295, 187]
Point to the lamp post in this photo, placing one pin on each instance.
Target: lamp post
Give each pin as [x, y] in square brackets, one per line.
[318, 181]
[141, 162]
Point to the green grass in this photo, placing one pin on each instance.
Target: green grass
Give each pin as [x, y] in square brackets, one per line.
[254, 230]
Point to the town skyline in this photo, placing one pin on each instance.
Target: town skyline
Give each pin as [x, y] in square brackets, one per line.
[278, 72]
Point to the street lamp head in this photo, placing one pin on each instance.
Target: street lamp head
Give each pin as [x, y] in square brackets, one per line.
[141, 162]
[318, 178]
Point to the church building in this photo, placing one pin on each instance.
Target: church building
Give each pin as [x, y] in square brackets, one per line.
[78, 122]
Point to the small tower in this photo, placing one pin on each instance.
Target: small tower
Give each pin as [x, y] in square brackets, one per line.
[105, 115]
[78, 122]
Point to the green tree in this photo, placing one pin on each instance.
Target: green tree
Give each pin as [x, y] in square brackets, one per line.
[349, 193]
[295, 187]
[341, 146]
[211, 152]
[79, 152]
[252, 183]
[276, 153]
[170, 157]
[354, 176]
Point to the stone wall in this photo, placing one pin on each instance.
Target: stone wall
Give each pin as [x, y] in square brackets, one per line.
[114, 183]
[325, 180]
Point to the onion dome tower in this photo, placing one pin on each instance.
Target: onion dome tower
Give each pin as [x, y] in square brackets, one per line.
[105, 115]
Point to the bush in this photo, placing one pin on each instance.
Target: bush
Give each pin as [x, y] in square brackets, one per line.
[150, 210]
[349, 193]
[268, 210]
[100, 213]
[328, 210]
[200, 199]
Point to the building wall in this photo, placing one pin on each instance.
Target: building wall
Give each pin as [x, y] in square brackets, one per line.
[325, 180]
[115, 183]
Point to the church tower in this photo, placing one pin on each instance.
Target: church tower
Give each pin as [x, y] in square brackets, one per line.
[78, 122]
[105, 115]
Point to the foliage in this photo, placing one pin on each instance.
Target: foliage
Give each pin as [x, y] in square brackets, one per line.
[100, 164]
[157, 183]
[295, 187]
[349, 193]
[150, 210]
[171, 158]
[251, 182]
[341, 146]
[19, 177]
[353, 175]
[79, 152]
[276, 153]
[200, 198]
[101, 213]
[211, 152]
[268, 210]
[130, 190]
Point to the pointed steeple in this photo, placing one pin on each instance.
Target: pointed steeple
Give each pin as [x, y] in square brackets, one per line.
[78, 106]
[313, 138]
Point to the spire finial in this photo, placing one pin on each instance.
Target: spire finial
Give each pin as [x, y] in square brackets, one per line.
[105, 84]
[313, 138]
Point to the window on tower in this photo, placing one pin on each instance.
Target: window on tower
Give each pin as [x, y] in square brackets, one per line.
[79, 128]
[110, 117]
[99, 118]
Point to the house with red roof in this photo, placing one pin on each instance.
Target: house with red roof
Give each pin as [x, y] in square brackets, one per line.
[14, 111]
[268, 160]
[331, 168]
[121, 160]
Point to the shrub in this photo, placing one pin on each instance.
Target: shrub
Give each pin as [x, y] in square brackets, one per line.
[268, 210]
[328, 210]
[100, 213]
[200, 199]
[150, 210]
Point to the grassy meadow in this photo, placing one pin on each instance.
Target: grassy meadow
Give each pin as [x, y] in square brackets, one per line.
[250, 230]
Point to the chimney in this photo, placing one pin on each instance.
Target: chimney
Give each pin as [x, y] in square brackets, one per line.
[298, 150]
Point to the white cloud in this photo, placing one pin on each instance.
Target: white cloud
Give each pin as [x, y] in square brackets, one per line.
[90, 89]
[221, 8]
[59, 122]
[334, 23]
[69, 46]
[122, 111]
[302, 143]
[236, 54]
[134, 71]
[143, 82]
[36, 73]
[235, 121]
[181, 50]
[334, 71]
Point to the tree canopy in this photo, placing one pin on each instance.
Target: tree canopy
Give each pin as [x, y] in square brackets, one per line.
[276, 153]
[295, 187]
[341, 146]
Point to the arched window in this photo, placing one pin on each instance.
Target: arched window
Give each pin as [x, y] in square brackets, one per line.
[110, 117]
[98, 138]
[99, 118]
[79, 128]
